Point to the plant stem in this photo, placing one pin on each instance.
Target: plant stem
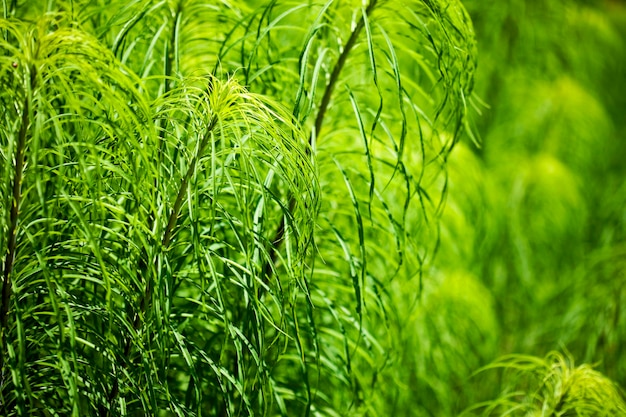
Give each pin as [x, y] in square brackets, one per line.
[9, 261]
[167, 236]
[319, 121]
[334, 76]
[165, 242]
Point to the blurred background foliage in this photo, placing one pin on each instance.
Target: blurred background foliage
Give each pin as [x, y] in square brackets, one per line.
[399, 207]
[552, 176]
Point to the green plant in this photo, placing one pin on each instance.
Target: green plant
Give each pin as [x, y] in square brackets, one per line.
[203, 204]
[551, 149]
[552, 386]
[277, 207]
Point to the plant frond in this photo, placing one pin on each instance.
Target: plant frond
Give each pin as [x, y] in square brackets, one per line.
[554, 386]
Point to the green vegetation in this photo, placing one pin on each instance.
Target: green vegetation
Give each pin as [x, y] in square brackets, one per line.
[312, 208]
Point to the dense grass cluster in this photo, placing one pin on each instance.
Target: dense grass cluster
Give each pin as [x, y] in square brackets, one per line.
[312, 208]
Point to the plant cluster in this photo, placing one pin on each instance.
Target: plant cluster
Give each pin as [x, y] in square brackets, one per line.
[292, 208]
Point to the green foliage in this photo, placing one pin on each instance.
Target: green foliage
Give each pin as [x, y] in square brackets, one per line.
[552, 150]
[279, 208]
[553, 386]
[137, 243]
[449, 334]
[203, 203]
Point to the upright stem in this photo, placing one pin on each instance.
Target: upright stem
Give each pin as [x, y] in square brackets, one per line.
[319, 121]
[167, 236]
[16, 200]
[334, 75]
[165, 242]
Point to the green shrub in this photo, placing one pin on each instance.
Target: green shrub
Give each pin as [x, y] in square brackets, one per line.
[198, 198]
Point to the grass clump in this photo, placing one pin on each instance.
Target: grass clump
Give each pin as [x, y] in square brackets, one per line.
[552, 386]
